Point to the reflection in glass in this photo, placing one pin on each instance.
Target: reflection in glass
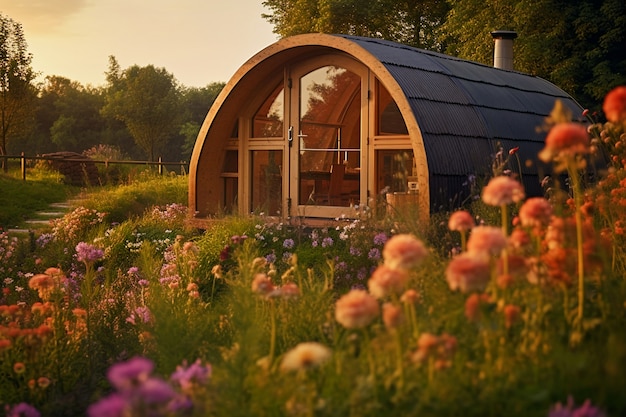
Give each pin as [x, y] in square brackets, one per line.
[268, 120]
[231, 180]
[390, 120]
[329, 140]
[266, 181]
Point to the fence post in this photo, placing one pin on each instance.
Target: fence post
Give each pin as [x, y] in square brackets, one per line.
[23, 166]
[160, 166]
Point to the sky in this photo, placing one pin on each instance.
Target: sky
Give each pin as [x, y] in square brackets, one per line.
[198, 41]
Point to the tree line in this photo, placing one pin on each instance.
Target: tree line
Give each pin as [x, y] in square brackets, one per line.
[143, 112]
[140, 112]
[578, 45]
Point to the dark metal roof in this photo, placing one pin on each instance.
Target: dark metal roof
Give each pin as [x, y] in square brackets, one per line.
[466, 111]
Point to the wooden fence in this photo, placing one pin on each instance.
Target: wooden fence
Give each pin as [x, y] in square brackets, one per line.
[184, 166]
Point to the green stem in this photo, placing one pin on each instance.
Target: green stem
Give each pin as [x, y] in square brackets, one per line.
[272, 332]
[505, 230]
[573, 173]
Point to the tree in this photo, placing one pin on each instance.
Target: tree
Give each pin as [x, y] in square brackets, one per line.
[411, 22]
[196, 103]
[69, 114]
[578, 46]
[147, 100]
[17, 89]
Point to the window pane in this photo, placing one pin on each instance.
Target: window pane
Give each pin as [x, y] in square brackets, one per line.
[390, 121]
[266, 185]
[397, 172]
[329, 145]
[268, 120]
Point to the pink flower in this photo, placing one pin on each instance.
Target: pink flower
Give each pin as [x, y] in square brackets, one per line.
[468, 272]
[262, 284]
[461, 221]
[404, 251]
[502, 190]
[410, 296]
[392, 315]
[614, 106]
[356, 309]
[386, 281]
[486, 239]
[88, 253]
[536, 212]
[564, 141]
[127, 375]
[473, 306]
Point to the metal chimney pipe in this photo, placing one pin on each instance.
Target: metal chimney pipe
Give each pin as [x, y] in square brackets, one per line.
[503, 51]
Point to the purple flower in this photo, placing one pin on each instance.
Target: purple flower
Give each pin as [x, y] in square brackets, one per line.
[327, 241]
[126, 375]
[288, 243]
[570, 410]
[380, 239]
[355, 251]
[271, 258]
[23, 410]
[187, 376]
[133, 271]
[374, 254]
[155, 391]
[88, 253]
[113, 405]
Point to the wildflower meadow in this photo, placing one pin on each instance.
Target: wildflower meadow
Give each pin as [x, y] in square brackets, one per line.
[512, 305]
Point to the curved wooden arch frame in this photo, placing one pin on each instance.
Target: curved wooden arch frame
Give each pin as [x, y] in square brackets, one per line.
[205, 164]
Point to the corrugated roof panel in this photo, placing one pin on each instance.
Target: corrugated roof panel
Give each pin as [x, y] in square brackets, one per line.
[419, 84]
[507, 124]
[465, 111]
[458, 156]
[445, 118]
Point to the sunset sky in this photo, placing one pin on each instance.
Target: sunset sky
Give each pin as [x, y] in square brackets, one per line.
[198, 41]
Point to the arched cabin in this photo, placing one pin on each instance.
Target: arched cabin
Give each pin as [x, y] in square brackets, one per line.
[314, 124]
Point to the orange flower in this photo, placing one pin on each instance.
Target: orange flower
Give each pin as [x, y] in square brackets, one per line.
[461, 221]
[614, 106]
[511, 315]
[486, 239]
[386, 281]
[502, 190]
[404, 251]
[468, 272]
[19, 367]
[565, 141]
[43, 382]
[356, 309]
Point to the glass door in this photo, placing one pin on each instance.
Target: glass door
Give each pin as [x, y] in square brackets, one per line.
[326, 147]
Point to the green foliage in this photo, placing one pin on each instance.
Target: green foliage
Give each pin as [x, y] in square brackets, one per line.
[21, 199]
[130, 200]
[147, 100]
[17, 88]
[577, 46]
[411, 23]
